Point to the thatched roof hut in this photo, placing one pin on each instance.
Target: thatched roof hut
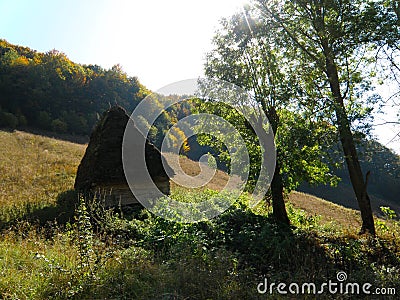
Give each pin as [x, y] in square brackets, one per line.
[101, 171]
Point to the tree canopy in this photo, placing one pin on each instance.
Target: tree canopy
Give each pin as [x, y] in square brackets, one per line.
[248, 54]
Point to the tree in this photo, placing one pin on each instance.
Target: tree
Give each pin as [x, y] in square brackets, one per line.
[245, 54]
[8, 120]
[334, 37]
[59, 126]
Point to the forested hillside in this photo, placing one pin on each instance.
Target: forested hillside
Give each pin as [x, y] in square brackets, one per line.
[383, 184]
[48, 91]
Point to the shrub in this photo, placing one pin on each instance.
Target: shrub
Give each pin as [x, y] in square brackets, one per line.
[22, 121]
[59, 126]
[43, 120]
[8, 120]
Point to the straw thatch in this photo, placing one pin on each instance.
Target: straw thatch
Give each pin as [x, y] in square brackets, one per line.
[101, 172]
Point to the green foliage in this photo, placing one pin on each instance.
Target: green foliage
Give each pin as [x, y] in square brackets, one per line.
[8, 120]
[77, 280]
[84, 239]
[390, 217]
[389, 213]
[304, 146]
[59, 126]
[338, 40]
[129, 253]
[43, 120]
[249, 53]
[301, 219]
[382, 226]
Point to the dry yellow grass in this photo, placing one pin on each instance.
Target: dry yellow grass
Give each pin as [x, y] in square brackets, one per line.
[34, 170]
[328, 211]
[192, 168]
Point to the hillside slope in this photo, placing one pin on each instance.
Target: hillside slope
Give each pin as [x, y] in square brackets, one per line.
[137, 255]
[383, 182]
[35, 170]
[312, 205]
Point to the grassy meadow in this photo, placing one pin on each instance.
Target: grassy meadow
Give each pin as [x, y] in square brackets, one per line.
[54, 245]
[34, 171]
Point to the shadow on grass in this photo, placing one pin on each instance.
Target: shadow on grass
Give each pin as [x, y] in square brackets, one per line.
[7, 129]
[61, 213]
[73, 138]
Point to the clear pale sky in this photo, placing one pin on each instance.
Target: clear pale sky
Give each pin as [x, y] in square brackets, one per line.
[160, 42]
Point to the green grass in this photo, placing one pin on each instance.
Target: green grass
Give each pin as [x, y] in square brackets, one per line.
[98, 254]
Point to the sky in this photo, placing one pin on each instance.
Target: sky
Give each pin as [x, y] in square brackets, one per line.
[158, 41]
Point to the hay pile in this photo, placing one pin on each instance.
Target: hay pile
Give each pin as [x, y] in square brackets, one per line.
[101, 171]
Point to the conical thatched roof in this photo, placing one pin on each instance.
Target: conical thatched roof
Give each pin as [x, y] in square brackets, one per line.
[102, 163]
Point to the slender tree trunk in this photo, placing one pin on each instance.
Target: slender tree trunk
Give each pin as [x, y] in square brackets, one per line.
[349, 149]
[278, 202]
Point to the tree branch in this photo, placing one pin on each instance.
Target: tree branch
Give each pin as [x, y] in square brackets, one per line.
[281, 23]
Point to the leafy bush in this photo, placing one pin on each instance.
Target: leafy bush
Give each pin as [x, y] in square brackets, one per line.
[59, 126]
[43, 120]
[8, 120]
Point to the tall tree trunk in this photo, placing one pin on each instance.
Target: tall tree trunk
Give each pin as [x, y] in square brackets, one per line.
[349, 149]
[278, 202]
